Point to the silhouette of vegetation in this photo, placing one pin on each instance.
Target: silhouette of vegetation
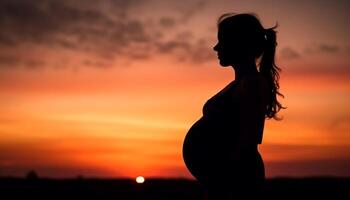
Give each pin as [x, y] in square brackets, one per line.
[32, 175]
[160, 189]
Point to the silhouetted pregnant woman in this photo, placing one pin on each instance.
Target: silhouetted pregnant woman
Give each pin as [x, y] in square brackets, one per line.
[221, 148]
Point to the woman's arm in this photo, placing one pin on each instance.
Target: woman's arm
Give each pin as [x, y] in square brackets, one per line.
[251, 114]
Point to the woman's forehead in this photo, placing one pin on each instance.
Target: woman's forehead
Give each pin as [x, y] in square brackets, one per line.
[225, 32]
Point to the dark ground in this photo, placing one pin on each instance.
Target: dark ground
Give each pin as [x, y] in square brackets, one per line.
[181, 189]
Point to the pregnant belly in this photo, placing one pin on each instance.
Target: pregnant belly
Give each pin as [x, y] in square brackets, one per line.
[206, 147]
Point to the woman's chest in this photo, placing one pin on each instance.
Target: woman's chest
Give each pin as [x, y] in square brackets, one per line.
[224, 103]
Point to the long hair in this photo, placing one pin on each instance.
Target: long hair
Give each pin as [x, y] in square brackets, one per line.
[260, 43]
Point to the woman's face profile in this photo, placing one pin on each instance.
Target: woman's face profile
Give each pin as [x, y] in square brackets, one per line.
[222, 50]
[227, 49]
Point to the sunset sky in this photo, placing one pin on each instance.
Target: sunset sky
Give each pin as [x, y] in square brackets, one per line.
[110, 88]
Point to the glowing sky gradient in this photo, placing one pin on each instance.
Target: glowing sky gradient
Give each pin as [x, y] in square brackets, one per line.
[110, 88]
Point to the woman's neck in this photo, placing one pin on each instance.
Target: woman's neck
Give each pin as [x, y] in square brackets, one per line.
[244, 68]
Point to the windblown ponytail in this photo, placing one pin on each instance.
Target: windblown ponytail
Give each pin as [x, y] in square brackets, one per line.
[270, 71]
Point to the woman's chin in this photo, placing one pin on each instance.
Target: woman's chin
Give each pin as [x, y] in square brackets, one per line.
[224, 64]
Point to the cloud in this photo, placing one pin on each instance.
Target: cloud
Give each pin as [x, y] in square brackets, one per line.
[167, 22]
[44, 21]
[202, 52]
[190, 10]
[107, 32]
[289, 53]
[8, 61]
[173, 45]
[104, 30]
[57, 24]
[340, 124]
[328, 48]
[185, 51]
[322, 48]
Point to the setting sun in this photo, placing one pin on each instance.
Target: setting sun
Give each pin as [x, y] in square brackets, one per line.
[140, 179]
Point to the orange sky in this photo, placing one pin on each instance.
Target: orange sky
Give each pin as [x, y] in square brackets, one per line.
[99, 91]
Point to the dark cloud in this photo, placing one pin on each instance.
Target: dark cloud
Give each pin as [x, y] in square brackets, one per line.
[190, 10]
[8, 61]
[104, 29]
[167, 22]
[185, 51]
[340, 124]
[173, 45]
[95, 63]
[185, 36]
[288, 53]
[322, 48]
[34, 63]
[328, 48]
[44, 21]
[339, 71]
[59, 24]
[315, 67]
[202, 52]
